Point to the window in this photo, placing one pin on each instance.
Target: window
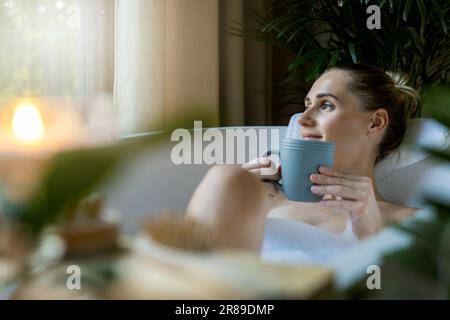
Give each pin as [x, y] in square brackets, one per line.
[40, 51]
[46, 46]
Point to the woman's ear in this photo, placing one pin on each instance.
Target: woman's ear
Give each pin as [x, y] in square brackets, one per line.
[378, 121]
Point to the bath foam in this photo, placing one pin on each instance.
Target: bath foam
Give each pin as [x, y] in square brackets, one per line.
[294, 242]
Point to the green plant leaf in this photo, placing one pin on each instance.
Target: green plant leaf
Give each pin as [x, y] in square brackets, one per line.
[302, 59]
[406, 277]
[442, 155]
[444, 264]
[351, 49]
[334, 58]
[437, 9]
[414, 258]
[70, 177]
[423, 16]
[436, 104]
[406, 10]
[441, 209]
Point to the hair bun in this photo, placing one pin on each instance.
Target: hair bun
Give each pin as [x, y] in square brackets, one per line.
[409, 95]
[400, 79]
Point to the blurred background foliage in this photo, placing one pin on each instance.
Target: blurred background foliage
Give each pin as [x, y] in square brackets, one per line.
[413, 38]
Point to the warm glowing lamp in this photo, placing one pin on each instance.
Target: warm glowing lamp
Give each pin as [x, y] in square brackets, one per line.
[27, 124]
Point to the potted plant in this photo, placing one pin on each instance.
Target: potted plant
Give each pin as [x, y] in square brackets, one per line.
[413, 37]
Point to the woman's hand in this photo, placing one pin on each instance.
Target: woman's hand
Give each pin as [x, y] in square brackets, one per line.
[354, 194]
[264, 168]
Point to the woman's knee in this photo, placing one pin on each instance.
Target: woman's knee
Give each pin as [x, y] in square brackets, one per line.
[229, 188]
[234, 179]
[231, 200]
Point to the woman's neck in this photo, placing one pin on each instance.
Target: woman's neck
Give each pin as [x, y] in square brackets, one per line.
[378, 196]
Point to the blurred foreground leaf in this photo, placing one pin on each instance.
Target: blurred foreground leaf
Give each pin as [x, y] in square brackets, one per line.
[437, 104]
[72, 175]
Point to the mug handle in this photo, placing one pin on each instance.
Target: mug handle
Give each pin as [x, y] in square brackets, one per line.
[276, 184]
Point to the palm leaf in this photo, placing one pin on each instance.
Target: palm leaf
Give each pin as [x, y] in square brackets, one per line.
[413, 37]
[406, 10]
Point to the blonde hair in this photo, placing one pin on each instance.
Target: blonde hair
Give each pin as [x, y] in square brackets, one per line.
[409, 95]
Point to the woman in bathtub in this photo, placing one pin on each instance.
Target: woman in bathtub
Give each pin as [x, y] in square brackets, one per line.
[364, 111]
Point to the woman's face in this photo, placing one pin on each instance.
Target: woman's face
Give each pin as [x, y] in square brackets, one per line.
[333, 113]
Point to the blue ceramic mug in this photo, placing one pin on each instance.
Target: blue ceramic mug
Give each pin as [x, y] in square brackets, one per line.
[300, 159]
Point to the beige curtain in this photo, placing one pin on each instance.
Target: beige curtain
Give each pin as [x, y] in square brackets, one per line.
[96, 43]
[96, 67]
[173, 56]
[245, 68]
[166, 61]
[139, 88]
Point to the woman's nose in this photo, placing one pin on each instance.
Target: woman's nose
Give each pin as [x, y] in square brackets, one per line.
[306, 118]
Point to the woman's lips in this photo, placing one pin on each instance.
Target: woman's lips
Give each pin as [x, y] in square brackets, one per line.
[310, 137]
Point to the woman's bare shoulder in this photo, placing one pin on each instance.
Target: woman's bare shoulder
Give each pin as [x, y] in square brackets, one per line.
[393, 213]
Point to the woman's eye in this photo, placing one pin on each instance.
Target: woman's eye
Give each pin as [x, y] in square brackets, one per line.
[327, 106]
